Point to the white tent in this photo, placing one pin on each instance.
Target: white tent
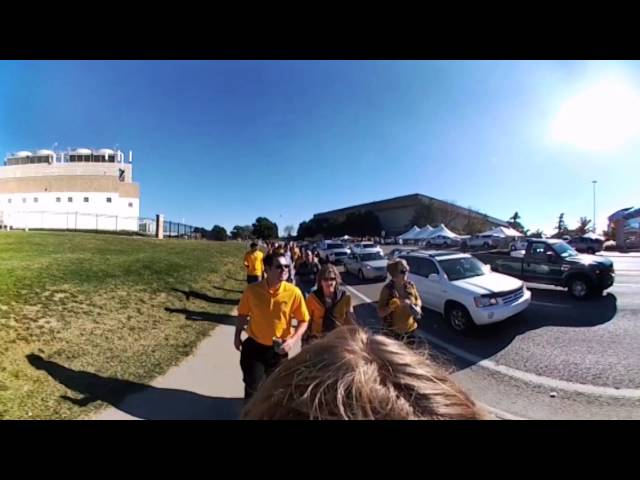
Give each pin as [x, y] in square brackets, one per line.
[345, 238]
[503, 232]
[444, 231]
[410, 234]
[423, 233]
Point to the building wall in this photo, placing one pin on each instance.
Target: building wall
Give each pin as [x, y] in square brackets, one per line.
[37, 196]
[43, 210]
[396, 214]
[72, 169]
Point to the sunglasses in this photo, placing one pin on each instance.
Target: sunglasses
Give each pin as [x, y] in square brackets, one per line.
[282, 267]
[403, 271]
[330, 279]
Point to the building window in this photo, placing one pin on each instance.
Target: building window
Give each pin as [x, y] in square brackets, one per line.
[86, 200]
[70, 199]
[130, 204]
[108, 199]
[35, 199]
[58, 199]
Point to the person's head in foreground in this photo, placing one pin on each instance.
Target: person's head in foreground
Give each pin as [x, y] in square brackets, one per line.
[352, 374]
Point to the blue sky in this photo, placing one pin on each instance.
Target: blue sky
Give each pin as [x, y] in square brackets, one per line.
[223, 142]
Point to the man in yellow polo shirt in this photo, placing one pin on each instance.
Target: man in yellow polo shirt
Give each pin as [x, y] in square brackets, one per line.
[253, 263]
[268, 308]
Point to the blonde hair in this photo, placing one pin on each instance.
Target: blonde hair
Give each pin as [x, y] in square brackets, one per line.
[395, 266]
[352, 374]
[328, 270]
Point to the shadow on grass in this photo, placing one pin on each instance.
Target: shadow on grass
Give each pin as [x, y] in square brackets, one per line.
[194, 316]
[227, 289]
[189, 294]
[137, 399]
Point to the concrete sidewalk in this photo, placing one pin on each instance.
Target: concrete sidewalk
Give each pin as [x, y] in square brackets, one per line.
[205, 386]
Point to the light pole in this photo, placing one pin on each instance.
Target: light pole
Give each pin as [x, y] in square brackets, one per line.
[594, 204]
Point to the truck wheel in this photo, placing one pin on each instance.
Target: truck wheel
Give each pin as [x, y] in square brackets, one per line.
[458, 317]
[591, 251]
[486, 245]
[579, 287]
[513, 247]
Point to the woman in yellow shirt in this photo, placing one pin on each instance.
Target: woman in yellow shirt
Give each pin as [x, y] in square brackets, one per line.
[399, 304]
[329, 305]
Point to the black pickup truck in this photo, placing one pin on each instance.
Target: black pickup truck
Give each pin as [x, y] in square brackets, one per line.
[553, 262]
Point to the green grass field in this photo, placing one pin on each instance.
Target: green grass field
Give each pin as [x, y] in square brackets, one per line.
[96, 303]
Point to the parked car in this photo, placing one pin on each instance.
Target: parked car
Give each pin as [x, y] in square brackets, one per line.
[554, 262]
[365, 246]
[518, 244]
[441, 241]
[464, 290]
[367, 265]
[390, 241]
[484, 241]
[334, 252]
[393, 254]
[586, 244]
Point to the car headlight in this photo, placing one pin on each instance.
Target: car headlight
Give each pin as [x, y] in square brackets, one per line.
[368, 267]
[485, 301]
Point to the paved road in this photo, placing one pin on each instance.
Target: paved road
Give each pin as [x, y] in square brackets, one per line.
[586, 353]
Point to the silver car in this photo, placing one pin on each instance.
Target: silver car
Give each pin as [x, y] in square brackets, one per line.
[367, 265]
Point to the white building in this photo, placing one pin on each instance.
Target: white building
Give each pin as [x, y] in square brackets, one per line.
[81, 189]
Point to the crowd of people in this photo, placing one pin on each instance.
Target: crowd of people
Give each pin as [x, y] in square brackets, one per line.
[343, 371]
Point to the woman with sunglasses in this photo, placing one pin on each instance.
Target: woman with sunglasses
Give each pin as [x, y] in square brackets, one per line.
[399, 304]
[329, 305]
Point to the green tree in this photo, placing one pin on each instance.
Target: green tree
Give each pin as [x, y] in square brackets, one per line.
[537, 234]
[241, 232]
[219, 233]
[561, 228]
[515, 223]
[361, 224]
[288, 230]
[265, 229]
[583, 226]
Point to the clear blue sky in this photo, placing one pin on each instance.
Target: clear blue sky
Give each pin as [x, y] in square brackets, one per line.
[225, 142]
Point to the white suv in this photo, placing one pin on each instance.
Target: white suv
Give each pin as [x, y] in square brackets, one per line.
[441, 241]
[484, 241]
[334, 252]
[365, 246]
[464, 290]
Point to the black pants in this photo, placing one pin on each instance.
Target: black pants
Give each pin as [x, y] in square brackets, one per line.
[252, 279]
[257, 362]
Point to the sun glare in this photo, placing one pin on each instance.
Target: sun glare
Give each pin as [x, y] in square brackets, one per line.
[603, 117]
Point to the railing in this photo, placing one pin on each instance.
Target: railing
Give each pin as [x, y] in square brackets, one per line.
[92, 222]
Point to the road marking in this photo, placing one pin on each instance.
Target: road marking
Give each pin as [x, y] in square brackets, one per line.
[629, 393]
[625, 285]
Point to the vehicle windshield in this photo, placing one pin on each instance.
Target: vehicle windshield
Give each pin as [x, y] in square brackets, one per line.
[367, 245]
[367, 257]
[334, 246]
[564, 250]
[461, 268]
